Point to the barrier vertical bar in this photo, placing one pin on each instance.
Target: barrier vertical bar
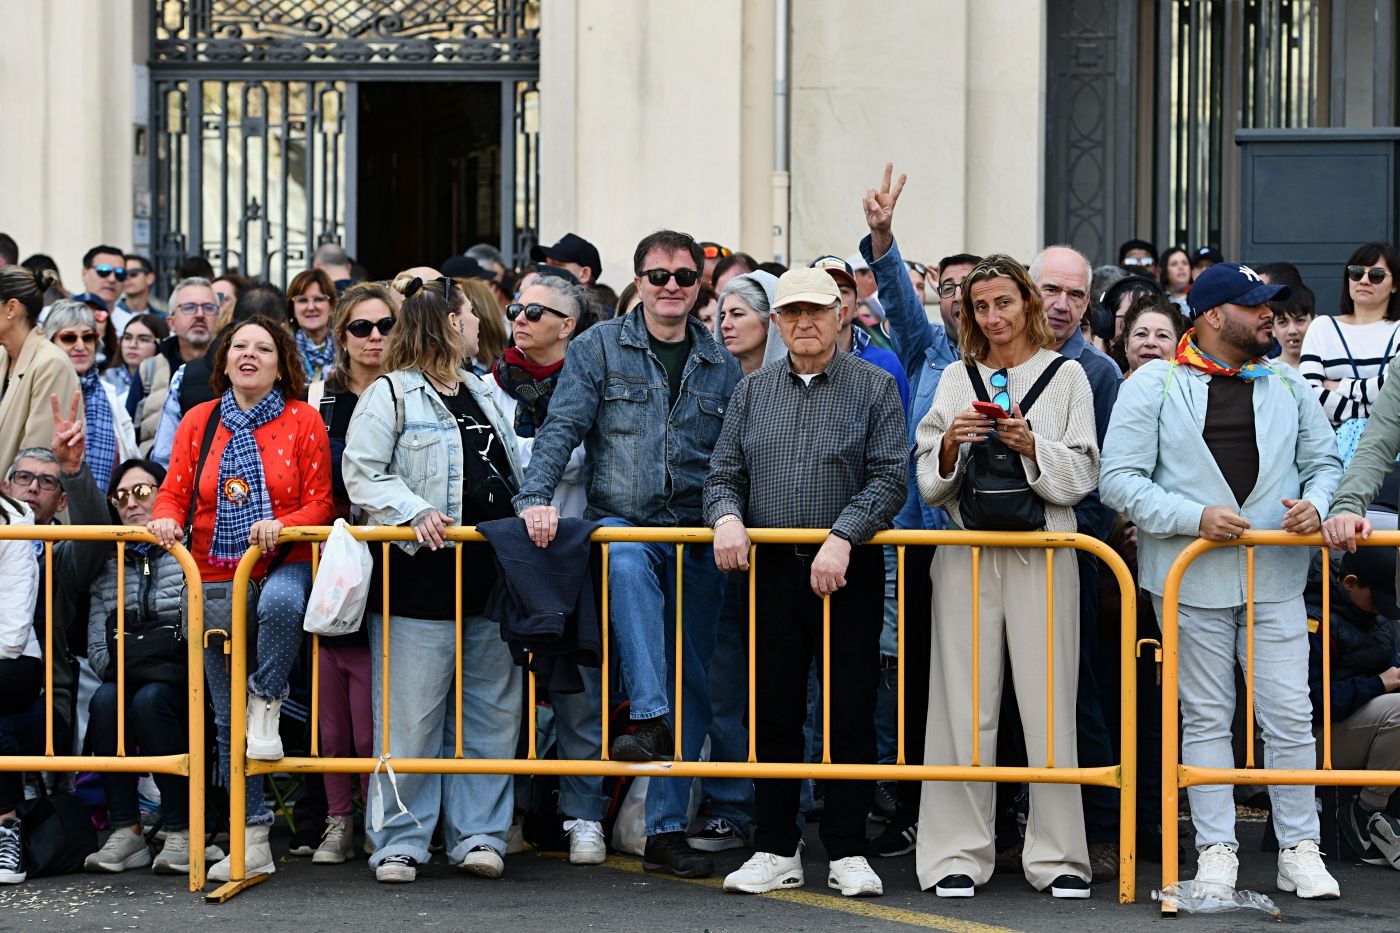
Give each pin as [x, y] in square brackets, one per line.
[121, 649]
[976, 657]
[606, 676]
[1171, 592]
[384, 657]
[457, 614]
[1326, 660]
[195, 723]
[48, 648]
[680, 640]
[899, 659]
[1050, 657]
[238, 724]
[1127, 751]
[826, 680]
[753, 651]
[530, 752]
[314, 722]
[1249, 659]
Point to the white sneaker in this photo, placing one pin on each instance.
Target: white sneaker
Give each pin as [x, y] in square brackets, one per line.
[1300, 869]
[122, 850]
[174, 857]
[484, 861]
[586, 843]
[1217, 868]
[764, 872]
[257, 856]
[854, 877]
[264, 741]
[337, 842]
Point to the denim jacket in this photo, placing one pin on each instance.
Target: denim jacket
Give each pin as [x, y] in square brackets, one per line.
[1158, 471]
[647, 461]
[394, 475]
[925, 350]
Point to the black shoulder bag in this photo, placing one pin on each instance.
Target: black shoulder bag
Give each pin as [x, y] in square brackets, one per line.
[995, 494]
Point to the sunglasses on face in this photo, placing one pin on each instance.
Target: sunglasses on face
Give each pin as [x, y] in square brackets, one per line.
[714, 250]
[46, 482]
[1376, 274]
[68, 338]
[362, 327]
[659, 277]
[999, 382]
[104, 271]
[532, 312]
[141, 492]
[1130, 261]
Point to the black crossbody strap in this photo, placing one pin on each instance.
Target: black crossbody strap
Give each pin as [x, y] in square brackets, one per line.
[204, 445]
[978, 386]
[1041, 383]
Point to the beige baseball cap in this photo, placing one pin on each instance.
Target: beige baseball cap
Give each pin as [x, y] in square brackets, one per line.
[812, 286]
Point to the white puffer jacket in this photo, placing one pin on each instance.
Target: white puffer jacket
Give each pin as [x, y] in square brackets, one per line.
[19, 582]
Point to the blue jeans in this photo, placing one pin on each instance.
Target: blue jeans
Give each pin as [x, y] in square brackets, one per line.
[578, 731]
[642, 610]
[423, 724]
[731, 798]
[157, 722]
[275, 636]
[1211, 643]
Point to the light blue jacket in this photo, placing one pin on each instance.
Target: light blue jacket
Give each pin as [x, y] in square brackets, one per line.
[394, 474]
[1158, 471]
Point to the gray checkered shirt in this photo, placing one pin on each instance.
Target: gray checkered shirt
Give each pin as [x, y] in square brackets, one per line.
[833, 454]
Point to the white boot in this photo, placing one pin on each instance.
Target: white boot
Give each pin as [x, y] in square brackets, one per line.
[264, 740]
[257, 856]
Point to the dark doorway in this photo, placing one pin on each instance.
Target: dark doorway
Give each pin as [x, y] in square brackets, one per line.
[429, 172]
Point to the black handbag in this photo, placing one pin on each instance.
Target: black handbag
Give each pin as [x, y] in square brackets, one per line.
[995, 493]
[153, 654]
[57, 836]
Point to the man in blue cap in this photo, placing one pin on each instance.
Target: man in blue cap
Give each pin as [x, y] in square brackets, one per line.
[1183, 459]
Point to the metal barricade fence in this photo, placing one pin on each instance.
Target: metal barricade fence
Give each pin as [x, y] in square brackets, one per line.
[1176, 776]
[1121, 775]
[189, 765]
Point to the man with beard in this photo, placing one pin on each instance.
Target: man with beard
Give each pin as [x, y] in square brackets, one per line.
[193, 309]
[1185, 457]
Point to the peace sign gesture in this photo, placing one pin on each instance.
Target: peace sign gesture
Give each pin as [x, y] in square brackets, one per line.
[879, 211]
[69, 439]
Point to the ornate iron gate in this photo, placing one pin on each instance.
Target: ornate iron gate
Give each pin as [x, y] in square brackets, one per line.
[254, 107]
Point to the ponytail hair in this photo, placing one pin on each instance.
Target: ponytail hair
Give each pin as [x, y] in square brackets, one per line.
[27, 288]
[423, 337]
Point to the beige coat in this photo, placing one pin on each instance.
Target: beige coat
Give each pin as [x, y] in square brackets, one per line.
[26, 415]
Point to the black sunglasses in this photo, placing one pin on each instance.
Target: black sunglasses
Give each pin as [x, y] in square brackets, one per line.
[916, 266]
[1376, 274]
[659, 277]
[362, 327]
[105, 270]
[532, 312]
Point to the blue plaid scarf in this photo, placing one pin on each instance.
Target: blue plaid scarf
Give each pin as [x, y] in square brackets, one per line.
[242, 497]
[101, 455]
[317, 360]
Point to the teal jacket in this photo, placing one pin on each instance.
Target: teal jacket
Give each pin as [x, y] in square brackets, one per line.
[1157, 470]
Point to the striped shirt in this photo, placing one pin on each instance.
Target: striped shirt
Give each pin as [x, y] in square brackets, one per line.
[1353, 355]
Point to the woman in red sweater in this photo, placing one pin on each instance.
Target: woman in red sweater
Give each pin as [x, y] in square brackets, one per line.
[268, 466]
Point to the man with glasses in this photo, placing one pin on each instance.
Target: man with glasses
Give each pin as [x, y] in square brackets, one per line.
[646, 393]
[104, 275]
[193, 310]
[136, 295]
[1140, 257]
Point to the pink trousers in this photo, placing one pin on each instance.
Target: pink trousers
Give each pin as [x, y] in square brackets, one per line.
[347, 724]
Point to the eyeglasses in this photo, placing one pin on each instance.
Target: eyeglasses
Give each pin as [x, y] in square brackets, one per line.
[532, 312]
[916, 266]
[141, 492]
[1376, 274]
[1051, 291]
[68, 338]
[191, 309]
[714, 250]
[139, 340]
[302, 301]
[1130, 261]
[105, 271]
[798, 310]
[659, 277]
[999, 382]
[47, 481]
[362, 327]
[949, 289]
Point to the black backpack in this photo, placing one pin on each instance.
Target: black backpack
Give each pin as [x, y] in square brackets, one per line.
[995, 494]
[57, 835]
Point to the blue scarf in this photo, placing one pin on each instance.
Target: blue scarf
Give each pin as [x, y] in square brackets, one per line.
[101, 455]
[242, 497]
[317, 360]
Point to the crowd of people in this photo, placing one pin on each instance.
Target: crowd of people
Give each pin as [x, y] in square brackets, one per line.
[1164, 398]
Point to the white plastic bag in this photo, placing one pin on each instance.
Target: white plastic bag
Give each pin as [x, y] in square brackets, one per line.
[338, 596]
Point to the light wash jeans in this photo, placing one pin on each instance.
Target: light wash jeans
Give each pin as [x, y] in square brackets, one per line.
[422, 724]
[274, 636]
[642, 612]
[578, 731]
[1211, 643]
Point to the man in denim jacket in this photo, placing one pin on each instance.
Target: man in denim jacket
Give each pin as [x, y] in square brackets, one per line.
[646, 394]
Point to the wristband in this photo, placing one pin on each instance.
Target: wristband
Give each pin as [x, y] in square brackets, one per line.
[724, 519]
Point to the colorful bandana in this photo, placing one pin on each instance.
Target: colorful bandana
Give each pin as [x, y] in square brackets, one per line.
[242, 496]
[530, 385]
[101, 454]
[1187, 353]
[317, 360]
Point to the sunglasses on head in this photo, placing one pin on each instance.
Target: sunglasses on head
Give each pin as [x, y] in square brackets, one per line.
[999, 382]
[714, 250]
[67, 338]
[659, 277]
[916, 266]
[141, 492]
[532, 312]
[362, 327]
[104, 270]
[1376, 274]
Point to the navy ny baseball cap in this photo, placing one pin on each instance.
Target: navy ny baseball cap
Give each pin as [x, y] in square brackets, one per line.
[1231, 283]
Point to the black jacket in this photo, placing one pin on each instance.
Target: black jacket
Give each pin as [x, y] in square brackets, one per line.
[1362, 648]
[544, 600]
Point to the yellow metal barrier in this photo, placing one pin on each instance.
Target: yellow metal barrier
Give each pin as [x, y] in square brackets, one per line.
[1175, 775]
[189, 765]
[1122, 776]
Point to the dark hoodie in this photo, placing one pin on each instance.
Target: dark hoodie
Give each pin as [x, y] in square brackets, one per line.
[1363, 647]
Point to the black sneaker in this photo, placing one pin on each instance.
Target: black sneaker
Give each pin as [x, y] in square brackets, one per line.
[886, 801]
[307, 839]
[668, 854]
[719, 834]
[1354, 822]
[650, 740]
[899, 838]
[11, 853]
[1068, 886]
[955, 886]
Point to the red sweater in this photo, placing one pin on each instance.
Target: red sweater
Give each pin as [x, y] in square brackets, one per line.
[296, 462]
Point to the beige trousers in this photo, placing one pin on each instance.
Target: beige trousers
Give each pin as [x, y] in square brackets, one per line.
[956, 835]
[1368, 739]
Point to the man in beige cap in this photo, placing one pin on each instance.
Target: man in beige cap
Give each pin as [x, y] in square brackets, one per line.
[815, 440]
